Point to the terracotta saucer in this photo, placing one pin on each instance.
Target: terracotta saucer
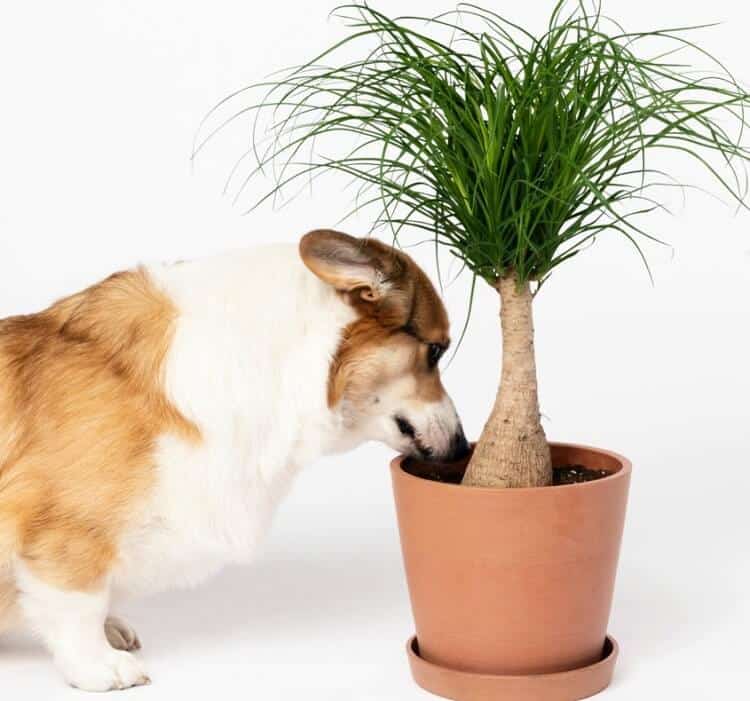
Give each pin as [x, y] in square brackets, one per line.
[468, 686]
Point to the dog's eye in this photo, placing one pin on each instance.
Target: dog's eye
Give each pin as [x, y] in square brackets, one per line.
[434, 353]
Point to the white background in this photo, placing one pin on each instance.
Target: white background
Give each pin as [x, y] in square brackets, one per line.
[98, 108]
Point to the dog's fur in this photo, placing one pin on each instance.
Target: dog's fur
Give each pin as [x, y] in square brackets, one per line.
[150, 424]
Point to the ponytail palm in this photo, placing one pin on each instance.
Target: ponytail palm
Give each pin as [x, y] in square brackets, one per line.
[513, 150]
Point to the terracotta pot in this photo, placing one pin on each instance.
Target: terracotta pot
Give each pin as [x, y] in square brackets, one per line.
[511, 589]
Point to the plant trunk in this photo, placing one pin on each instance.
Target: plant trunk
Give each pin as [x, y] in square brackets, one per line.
[512, 450]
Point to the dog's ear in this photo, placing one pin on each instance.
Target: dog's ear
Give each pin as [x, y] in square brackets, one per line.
[364, 267]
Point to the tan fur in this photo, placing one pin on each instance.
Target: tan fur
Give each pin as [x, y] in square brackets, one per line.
[81, 405]
[370, 355]
[8, 610]
[402, 315]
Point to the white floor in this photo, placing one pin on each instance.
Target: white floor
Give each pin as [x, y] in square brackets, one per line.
[324, 614]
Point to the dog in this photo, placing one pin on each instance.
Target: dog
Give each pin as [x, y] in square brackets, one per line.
[150, 424]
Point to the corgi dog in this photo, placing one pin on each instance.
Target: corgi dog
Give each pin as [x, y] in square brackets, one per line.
[150, 424]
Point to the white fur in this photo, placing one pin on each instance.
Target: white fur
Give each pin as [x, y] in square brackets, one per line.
[71, 624]
[249, 365]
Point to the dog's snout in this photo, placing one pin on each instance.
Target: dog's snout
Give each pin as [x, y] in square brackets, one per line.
[459, 446]
[435, 434]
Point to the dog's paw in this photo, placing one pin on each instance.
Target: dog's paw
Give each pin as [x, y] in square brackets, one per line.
[120, 635]
[115, 669]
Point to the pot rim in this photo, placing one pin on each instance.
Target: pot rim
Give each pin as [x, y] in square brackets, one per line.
[626, 468]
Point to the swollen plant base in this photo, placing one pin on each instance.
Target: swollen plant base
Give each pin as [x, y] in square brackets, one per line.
[557, 686]
[511, 589]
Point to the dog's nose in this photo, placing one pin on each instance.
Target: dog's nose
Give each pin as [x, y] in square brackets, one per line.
[459, 446]
[405, 427]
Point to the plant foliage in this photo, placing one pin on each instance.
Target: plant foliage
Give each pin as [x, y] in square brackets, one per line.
[513, 150]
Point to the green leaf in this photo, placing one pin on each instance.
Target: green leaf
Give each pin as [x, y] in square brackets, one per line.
[513, 150]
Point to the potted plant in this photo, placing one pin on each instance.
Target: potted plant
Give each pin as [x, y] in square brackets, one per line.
[514, 151]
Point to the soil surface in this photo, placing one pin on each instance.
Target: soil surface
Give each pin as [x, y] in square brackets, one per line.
[454, 473]
[572, 474]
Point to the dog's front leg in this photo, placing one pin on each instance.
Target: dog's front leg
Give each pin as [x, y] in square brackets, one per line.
[72, 625]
